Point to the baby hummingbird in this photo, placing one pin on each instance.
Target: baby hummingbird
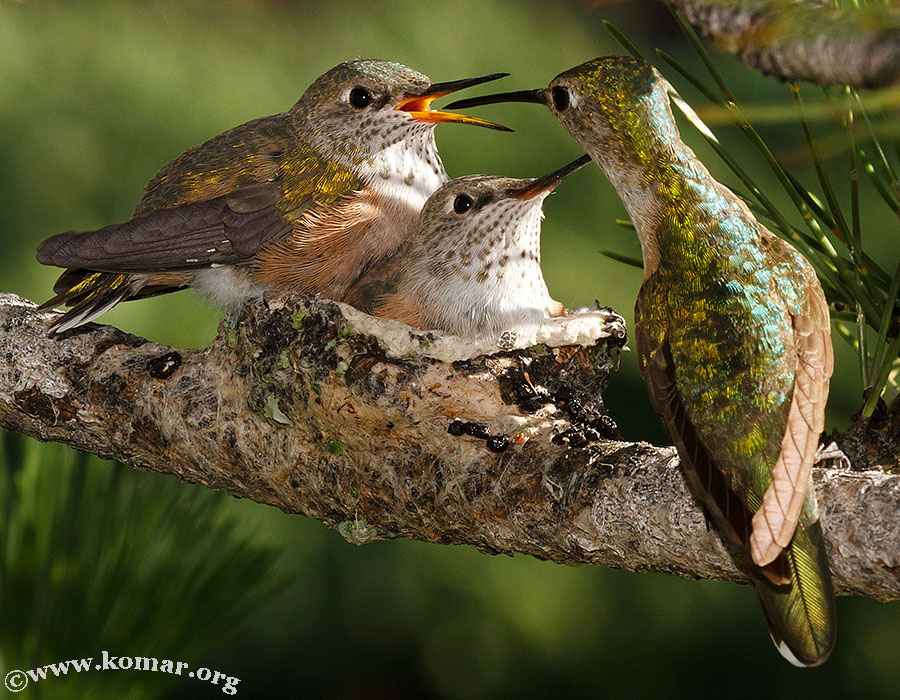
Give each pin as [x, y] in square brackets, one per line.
[473, 265]
[301, 201]
[733, 335]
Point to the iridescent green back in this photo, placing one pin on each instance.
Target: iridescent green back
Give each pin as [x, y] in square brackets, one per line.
[723, 300]
[262, 150]
[715, 330]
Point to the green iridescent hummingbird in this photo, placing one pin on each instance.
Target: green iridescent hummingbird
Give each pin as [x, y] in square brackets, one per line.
[733, 335]
[304, 201]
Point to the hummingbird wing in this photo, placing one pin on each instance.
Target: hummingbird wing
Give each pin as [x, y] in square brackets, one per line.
[224, 230]
[705, 476]
[247, 154]
[218, 203]
[776, 520]
[801, 615]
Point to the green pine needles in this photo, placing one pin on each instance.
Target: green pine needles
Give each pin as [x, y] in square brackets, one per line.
[97, 556]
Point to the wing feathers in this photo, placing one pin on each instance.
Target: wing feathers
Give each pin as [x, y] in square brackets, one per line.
[704, 476]
[224, 230]
[776, 520]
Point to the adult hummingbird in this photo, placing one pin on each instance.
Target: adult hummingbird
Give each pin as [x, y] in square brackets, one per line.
[733, 336]
[302, 201]
[473, 265]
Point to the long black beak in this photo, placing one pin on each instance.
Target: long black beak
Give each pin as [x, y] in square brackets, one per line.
[518, 96]
[445, 88]
[548, 182]
[418, 105]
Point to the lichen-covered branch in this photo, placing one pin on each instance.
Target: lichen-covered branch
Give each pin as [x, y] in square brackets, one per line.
[300, 405]
[804, 39]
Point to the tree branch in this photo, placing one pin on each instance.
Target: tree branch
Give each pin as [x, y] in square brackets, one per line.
[804, 40]
[299, 405]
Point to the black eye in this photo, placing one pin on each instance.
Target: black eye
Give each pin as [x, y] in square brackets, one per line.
[360, 97]
[462, 203]
[560, 98]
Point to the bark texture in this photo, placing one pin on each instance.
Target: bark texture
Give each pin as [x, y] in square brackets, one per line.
[300, 405]
[804, 40]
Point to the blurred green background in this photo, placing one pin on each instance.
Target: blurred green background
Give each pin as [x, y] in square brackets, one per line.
[94, 98]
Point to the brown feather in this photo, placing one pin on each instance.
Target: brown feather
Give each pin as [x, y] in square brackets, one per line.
[225, 230]
[558, 310]
[400, 308]
[376, 282]
[327, 249]
[776, 520]
[245, 154]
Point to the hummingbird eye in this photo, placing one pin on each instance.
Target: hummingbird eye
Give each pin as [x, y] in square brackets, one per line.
[360, 97]
[560, 97]
[462, 203]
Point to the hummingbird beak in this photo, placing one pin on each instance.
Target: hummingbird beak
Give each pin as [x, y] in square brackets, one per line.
[419, 106]
[538, 96]
[547, 183]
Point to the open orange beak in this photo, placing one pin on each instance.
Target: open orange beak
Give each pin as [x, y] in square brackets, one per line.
[419, 106]
[548, 183]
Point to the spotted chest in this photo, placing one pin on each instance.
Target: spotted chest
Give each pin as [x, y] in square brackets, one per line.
[489, 279]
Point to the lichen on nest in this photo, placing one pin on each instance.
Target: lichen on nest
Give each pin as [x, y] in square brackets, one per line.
[581, 327]
[298, 351]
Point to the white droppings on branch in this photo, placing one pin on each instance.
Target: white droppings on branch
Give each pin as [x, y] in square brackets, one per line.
[582, 327]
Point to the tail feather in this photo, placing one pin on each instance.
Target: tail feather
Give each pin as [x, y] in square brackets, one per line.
[801, 615]
[90, 295]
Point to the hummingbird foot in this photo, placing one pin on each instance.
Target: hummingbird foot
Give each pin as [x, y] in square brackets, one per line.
[832, 455]
[508, 340]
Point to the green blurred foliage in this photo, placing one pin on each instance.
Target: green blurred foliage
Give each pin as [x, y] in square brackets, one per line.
[95, 556]
[95, 97]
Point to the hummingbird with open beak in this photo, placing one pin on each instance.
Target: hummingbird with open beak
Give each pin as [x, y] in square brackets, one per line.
[473, 265]
[303, 201]
[733, 336]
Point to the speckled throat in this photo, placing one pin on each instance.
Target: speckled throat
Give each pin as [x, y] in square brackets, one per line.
[403, 171]
[397, 163]
[488, 278]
